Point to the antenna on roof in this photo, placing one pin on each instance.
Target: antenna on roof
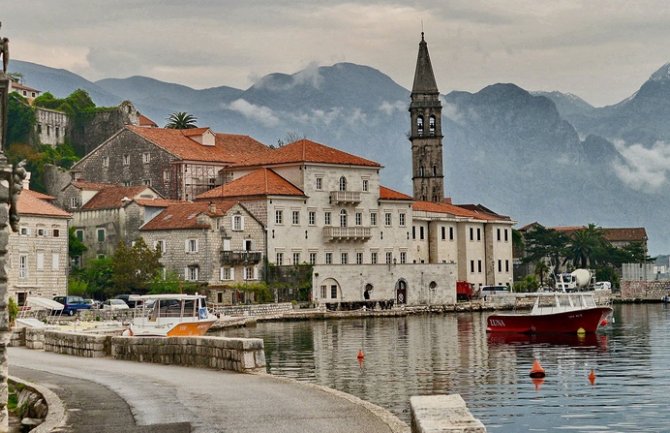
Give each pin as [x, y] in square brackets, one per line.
[421, 29]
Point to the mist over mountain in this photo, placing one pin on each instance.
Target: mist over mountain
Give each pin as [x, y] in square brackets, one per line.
[542, 156]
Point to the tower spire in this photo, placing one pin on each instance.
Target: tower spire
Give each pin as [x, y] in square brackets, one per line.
[424, 79]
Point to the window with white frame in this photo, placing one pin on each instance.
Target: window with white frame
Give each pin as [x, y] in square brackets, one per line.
[311, 216]
[126, 159]
[387, 219]
[373, 218]
[312, 258]
[246, 245]
[146, 157]
[326, 218]
[366, 185]
[24, 231]
[100, 233]
[319, 183]
[324, 292]
[279, 216]
[329, 258]
[401, 220]
[166, 175]
[105, 161]
[74, 202]
[344, 258]
[41, 232]
[295, 217]
[159, 246]
[296, 258]
[191, 245]
[249, 273]
[373, 257]
[343, 183]
[226, 273]
[403, 257]
[389, 257]
[192, 273]
[23, 266]
[359, 218]
[146, 182]
[343, 218]
[238, 223]
[279, 259]
[359, 258]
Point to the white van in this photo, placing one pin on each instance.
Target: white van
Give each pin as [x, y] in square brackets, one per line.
[602, 285]
[493, 290]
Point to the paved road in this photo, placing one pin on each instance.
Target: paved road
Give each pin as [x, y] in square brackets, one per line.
[210, 400]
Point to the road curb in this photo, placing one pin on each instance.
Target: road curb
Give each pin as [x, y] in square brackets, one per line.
[56, 414]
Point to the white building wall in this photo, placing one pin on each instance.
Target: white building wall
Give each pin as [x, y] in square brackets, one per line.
[51, 125]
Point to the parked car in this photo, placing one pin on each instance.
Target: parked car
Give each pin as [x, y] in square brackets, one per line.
[114, 304]
[132, 301]
[602, 285]
[94, 303]
[493, 290]
[71, 304]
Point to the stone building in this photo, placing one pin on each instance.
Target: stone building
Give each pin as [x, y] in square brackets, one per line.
[179, 164]
[219, 243]
[51, 126]
[326, 207]
[106, 214]
[27, 92]
[38, 264]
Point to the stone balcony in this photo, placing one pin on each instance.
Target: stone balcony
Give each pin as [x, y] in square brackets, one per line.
[351, 197]
[343, 234]
[240, 257]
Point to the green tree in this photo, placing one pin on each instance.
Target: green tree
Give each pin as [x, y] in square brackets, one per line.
[134, 268]
[181, 120]
[587, 247]
[542, 242]
[97, 277]
[75, 246]
[172, 283]
[20, 119]
[541, 269]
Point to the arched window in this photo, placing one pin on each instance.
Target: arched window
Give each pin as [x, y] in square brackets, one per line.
[343, 183]
[343, 218]
[419, 125]
[431, 125]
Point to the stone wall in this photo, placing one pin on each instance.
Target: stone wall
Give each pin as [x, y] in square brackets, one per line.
[237, 354]
[34, 338]
[77, 343]
[443, 414]
[255, 310]
[644, 290]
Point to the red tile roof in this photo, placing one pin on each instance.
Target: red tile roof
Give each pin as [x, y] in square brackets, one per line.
[95, 186]
[146, 122]
[112, 197]
[156, 202]
[31, 203]
[389, 194]
[261, 182]
[184, 215]
[306, 151]
[228, 148]
[456, 210]
[629, 234]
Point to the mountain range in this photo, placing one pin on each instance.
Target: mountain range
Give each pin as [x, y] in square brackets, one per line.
[549, 156]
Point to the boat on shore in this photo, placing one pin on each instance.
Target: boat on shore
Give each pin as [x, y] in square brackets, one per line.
[172, 316]
[553, 313]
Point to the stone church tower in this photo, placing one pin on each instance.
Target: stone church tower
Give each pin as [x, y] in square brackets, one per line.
[426, 131]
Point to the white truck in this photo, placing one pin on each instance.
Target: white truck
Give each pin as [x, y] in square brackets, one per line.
[579, 279]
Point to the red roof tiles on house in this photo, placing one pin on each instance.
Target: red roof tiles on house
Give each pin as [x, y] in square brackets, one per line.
[146, 122]
[31, 203]
[306, 151]
[389, 194]
[261, 182]
[184, 215]
[429, 206]
[156, 202]
[112, 197]
[94, 186]
[228, 148]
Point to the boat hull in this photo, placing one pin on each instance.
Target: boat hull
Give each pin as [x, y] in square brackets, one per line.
[587, 319]
[181, 329]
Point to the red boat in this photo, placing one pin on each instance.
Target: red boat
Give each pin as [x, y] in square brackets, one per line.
[553, 313]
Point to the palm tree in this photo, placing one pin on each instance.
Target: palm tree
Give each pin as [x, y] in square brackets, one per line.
[181, 120]
[587, 247]
[541, 269]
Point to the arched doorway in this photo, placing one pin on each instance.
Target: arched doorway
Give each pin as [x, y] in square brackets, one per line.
[401, 292]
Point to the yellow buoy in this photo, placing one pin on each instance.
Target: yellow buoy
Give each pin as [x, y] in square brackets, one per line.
[581, 331]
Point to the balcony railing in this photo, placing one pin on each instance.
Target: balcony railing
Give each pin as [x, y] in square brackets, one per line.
[240, 257]
[345, 197]
[335, 234]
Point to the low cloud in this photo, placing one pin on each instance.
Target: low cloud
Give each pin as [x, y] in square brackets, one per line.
[261, 113]
[309, 76]
[390, 107]
[644, 168]
[451, 112]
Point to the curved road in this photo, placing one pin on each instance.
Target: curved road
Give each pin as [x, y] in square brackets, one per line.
[210, 400]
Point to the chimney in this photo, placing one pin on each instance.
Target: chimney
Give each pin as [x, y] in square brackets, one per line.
[212, 207]
[26, 181]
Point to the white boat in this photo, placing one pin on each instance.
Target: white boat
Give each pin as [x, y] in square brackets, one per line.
[172, 316]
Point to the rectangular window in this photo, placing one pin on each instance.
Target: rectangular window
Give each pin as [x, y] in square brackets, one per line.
[373, 258]
[498, 235]
[226, 274]
[387, 219]
[73, 202]
[56, 233]
[41, 232]
[324, 292]
[472, 234]
[279, 217]
[401, 220]
[105, 161]
[127, 183]
[79, 234]
[333, 291]
[238, 223]
[126, 159]
[319, 183]
[326, 218]
[295, 219]
[329, 258]
[505, 235]
[421, 234]
[166, 175]
[55, 262]
[413, 232]
[23, 266]
[499, 265]
[101, 235]
[389, 257]
[479, 234]
[479, 266]
[359, 258]
[373, 218]
[403, 257]
[40, 261]
[159, 246]
[191, 246]
[279, 259]
[344, 258]
[146, 157]
[146, 182]
[311, 217]
[312, 258]
[472, 266]
[192, 273]
[451, 233]
[249, 273]
[366, 185]
[359, 218]
[296, 258]
[24, 231]
[506, 265]
[444, 233]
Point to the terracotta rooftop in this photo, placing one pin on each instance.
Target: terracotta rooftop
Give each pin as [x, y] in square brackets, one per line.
[457, 210]
[16, 85]
[261, 182]
[156, 202]
[389, 194]
[306, 151]
[228, 148]
[146, 122]
[31, 203]
[95, 186]
[112, 197]
[184, 215]
[630, 234]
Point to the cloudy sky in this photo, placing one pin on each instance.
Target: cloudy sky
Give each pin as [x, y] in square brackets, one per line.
[600, 50]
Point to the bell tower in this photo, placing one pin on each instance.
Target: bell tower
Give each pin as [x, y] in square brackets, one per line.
[425, 112]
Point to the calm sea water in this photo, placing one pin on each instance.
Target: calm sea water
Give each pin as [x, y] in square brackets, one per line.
[440, 354]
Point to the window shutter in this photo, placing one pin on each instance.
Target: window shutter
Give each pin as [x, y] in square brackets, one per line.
[186, 273]
[55, 261]
[242, 223]
[40, 261]
[255, 273]
[226, 245]
[186, 245]
[232, 273]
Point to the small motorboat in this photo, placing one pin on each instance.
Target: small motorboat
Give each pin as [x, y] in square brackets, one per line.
[172, 316]
[553, 313]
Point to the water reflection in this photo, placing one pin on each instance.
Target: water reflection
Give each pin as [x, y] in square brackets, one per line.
[453, 354]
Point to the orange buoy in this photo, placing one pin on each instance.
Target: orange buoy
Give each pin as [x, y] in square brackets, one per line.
[360, 355]
[538, 381]
[537, 371]
[592, 377]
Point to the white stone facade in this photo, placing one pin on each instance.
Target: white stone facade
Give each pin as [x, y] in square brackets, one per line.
[51, 126]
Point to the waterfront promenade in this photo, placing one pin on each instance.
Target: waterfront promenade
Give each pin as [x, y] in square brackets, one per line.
[190, 399]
